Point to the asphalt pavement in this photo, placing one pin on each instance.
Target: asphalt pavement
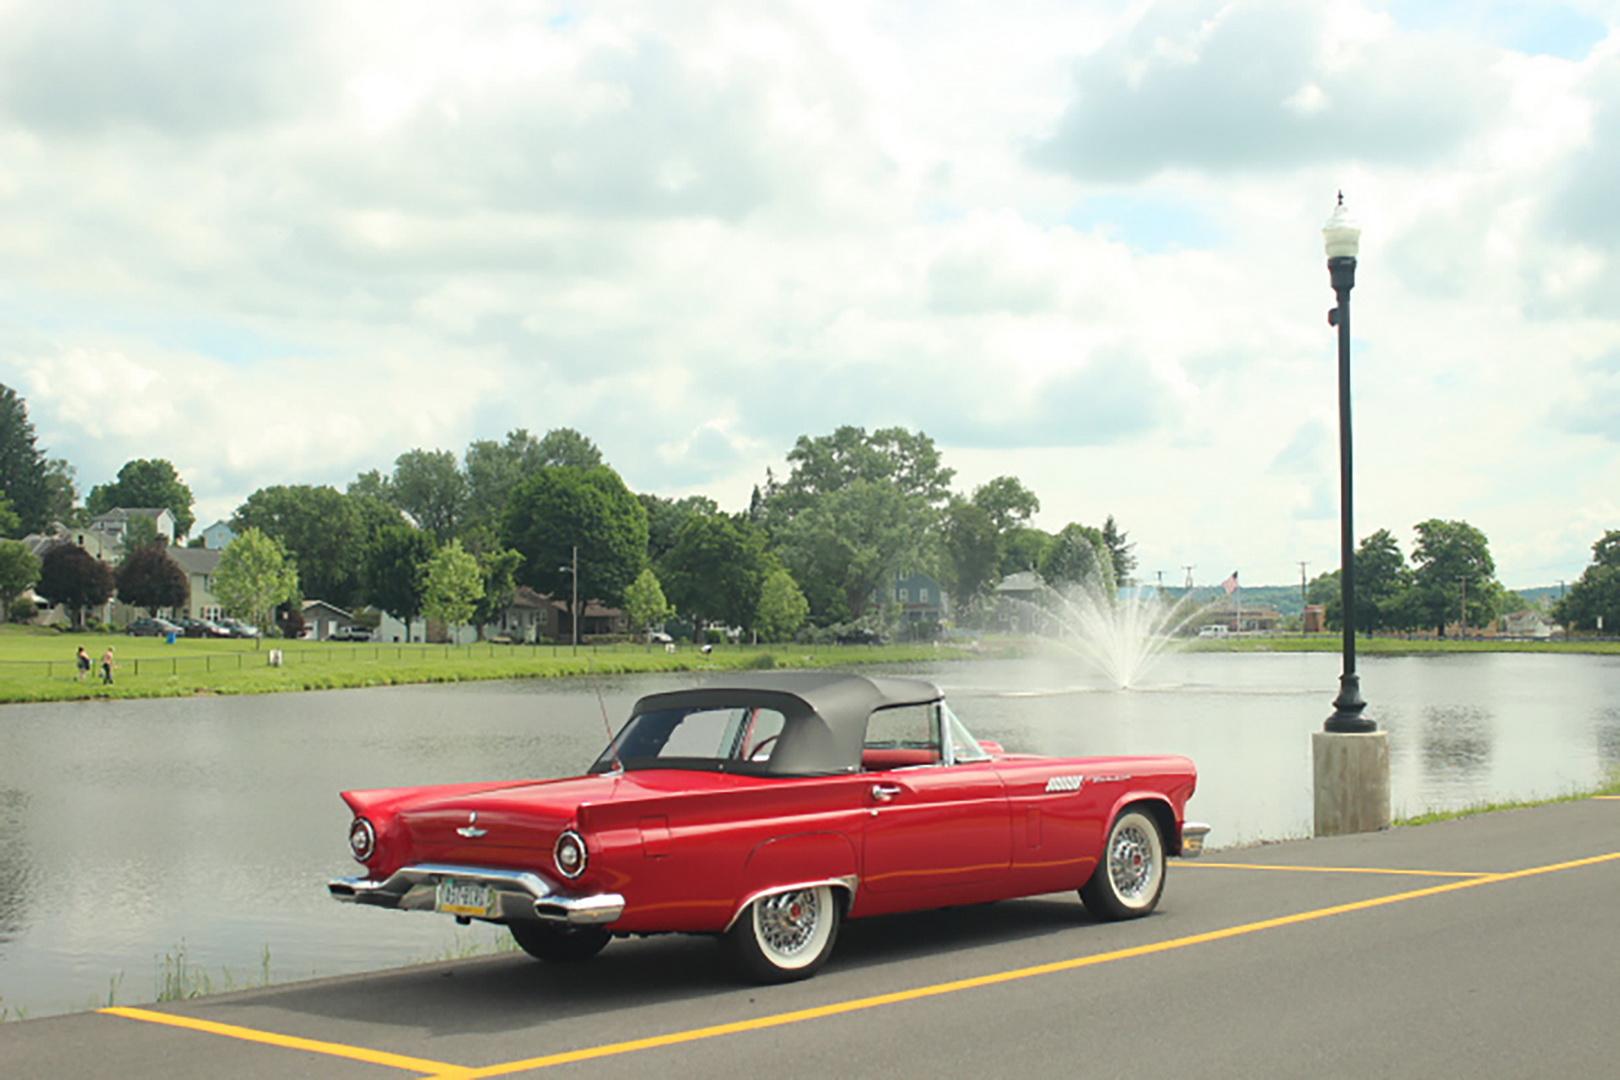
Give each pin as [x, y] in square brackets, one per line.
[1484, 947]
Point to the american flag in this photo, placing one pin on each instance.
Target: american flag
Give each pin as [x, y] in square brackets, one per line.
[1230, 584]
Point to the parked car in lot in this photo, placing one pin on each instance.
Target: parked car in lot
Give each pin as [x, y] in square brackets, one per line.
[237, 629]
[859, 635]
[151, 627]
[203, 628]
[350, 633]
[764, 810]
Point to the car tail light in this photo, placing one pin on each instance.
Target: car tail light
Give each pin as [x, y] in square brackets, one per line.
[570, 854]
[362, 839]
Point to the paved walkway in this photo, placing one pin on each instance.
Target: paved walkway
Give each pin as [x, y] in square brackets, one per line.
[1485, 947]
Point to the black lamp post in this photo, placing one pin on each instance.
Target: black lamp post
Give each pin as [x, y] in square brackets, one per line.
[1342, 239]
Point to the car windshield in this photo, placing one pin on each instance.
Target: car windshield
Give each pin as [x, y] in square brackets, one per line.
[702, 737]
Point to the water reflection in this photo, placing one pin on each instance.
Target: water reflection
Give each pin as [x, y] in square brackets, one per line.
[1606, 725]
[15, 864]
[1456, 741]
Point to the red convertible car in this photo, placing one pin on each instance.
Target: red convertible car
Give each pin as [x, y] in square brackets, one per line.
[764, 809]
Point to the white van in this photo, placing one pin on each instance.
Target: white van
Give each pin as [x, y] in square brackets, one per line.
[1214, 630]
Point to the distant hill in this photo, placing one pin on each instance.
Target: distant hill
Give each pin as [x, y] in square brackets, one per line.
[1285, 599]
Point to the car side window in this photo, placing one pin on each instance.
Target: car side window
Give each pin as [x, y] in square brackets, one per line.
[700, 734]
[902, 737]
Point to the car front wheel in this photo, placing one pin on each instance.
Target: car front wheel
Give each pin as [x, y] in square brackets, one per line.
[785, 936]
[1130, 875]
[559, 944]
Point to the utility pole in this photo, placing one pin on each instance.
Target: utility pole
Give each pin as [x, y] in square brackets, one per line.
[1302, 565]
[572, 569]
[1189, 570]
[1160, 575]
[1462, 621]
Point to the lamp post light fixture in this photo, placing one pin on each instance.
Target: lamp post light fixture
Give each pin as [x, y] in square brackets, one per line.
[1342, 239]
[573, 608]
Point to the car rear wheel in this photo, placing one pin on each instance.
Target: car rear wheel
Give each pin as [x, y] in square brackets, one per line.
[559, 944]
[1130, 875]
[785, 936]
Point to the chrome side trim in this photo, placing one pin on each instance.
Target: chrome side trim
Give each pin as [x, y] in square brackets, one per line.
[1192, 839]
[520, 894]
[848, 883]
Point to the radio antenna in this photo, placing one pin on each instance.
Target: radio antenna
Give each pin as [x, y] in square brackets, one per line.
[601, 703]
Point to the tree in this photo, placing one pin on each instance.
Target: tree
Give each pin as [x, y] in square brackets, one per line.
[1076, 556]
[146, 483]
[782, 607]
[644, 602]
[372, 484]
[452, 584]
[848, 543]
[567, 448]
[497, 567]
[666, 516]
[429, 486]
[72, 577]
[493, 469]
[61, 492]
[1007, 501]
[1385, 598]
[254, 576]
[1447, 554]
[10, 523]
[148, 578]
[715, 570]
[972, 550]
[906, 461]
[1596, 594]
[23, 471]
[1382, 580]
[1119, 550]
[139, 531]
[393, 564]
[1022, 548]
[323, 531]
[19, 568]
[559, 508]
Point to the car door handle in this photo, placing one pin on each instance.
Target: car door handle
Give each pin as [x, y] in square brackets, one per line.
[885, 792]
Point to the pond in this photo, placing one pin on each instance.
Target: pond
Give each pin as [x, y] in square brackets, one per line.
[186, 842]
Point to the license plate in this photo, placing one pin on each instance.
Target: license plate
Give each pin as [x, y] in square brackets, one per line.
[457, 897]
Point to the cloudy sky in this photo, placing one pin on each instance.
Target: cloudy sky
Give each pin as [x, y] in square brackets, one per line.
[1078, 243]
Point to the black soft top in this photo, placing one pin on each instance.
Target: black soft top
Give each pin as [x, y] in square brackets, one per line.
[826, 712]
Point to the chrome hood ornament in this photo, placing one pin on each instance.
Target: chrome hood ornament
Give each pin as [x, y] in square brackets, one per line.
[471, 830]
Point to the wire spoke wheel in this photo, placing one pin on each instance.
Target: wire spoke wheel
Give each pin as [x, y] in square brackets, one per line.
[1129, 877]
[785, 935]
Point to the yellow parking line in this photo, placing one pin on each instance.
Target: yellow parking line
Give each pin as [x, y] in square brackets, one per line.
[1608, 798]
[859, 1004]
[1334, 869]
[439, 1069]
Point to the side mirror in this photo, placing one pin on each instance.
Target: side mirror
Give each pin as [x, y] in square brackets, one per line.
[990, 746]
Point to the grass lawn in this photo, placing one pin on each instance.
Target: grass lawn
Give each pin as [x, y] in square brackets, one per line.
[1395, 646]
[37, 664]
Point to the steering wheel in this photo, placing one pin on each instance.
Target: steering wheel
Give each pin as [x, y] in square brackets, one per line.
[756, 755]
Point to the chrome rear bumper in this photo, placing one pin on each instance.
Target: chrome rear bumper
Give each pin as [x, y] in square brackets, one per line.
[518, 894]
[1192, 839]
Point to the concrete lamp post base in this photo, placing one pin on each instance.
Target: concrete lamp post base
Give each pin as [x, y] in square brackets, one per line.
[1352, 781]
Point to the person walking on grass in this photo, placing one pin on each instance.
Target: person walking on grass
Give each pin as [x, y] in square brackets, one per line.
[107, 665]
[83, 663]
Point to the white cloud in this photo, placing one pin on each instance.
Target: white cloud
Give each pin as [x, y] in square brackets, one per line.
[1074, 243]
